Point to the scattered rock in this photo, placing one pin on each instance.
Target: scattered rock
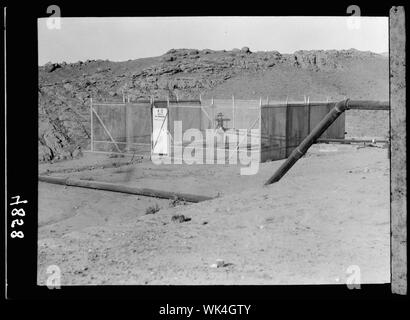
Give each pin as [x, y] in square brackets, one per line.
[180, 218]
[246, 50]
[220, 263]
[152, 209]
[50, 67]
[177, 202]
[169, 58]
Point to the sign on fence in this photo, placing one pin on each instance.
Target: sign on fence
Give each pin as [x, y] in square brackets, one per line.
[160, 131]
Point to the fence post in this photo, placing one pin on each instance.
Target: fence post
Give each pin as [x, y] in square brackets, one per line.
[92, 125]
[287, 127]
[200, 113]
[260, 129]
[233, 112]
[213, 112]
[308, 115]
[129, 130]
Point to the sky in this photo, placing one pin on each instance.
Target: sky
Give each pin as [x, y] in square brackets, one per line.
[120, 39]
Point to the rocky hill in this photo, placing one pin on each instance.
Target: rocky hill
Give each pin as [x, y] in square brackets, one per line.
[65, 89]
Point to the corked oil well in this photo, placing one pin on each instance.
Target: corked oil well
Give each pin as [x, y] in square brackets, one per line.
[215, 131]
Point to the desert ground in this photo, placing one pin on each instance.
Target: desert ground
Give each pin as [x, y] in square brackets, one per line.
[329, 212]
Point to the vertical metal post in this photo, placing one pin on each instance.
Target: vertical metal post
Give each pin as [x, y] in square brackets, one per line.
[233, 112]
[286, 128]
[308, 115]
[129, 129]
[213, 113]
[200, 113]
[92, 125]
[260, 129]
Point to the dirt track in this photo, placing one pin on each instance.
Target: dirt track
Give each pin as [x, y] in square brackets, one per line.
[329, 212]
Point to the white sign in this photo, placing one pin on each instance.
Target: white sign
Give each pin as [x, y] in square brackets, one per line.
[160, 131]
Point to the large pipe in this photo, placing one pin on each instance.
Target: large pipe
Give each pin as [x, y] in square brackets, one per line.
[368, 105]
[299, 151]
[349, 141]
[124, 189]
[353, 104]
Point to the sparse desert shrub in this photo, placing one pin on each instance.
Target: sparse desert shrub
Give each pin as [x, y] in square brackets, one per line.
[176, 202]
[179, 218]
[152, 209]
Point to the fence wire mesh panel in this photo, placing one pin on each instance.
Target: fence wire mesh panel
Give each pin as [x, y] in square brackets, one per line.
[273, 132]
[188, 113]
[214, 138]
[224, 108]
[109, 127]
[246, 114]
[139, 127]
[121, 127]
[297, 127]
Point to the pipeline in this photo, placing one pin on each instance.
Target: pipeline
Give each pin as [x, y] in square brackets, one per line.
[349, 141]
[299, 151]
[124, 189]
[368, 105]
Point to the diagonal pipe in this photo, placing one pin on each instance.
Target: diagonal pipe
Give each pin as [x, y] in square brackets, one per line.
[300, 150]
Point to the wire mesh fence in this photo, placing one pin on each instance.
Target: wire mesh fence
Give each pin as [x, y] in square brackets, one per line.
[127, 127]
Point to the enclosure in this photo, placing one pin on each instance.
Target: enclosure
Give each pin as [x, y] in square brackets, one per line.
[207, 128]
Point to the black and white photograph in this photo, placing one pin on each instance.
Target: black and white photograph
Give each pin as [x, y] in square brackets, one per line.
[219, 150]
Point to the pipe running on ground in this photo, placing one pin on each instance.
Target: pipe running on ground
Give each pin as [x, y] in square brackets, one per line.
[99, 185]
